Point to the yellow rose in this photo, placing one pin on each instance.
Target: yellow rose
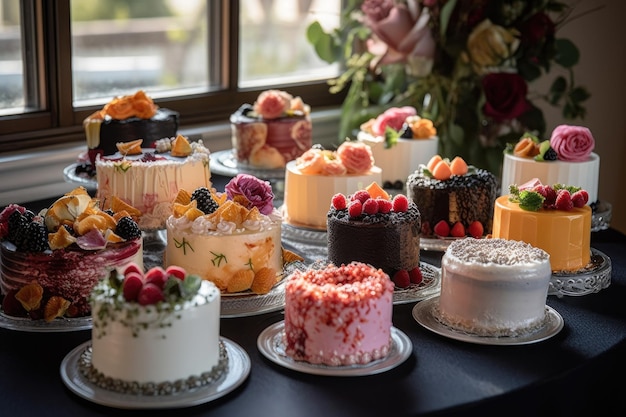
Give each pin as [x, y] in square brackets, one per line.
[490, 45]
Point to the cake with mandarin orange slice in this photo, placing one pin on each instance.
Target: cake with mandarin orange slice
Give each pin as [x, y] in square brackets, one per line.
[318, 174]
[400, 140]
[127, 118]
[338, 315]
[231, 238]
[555, 218]
[372, 227]
[272, 131]
[145, 338]
[149, 179]
[454, 199]
[51, 260]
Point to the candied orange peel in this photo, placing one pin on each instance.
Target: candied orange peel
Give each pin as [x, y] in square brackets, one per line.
[30, 296]
[55, 307]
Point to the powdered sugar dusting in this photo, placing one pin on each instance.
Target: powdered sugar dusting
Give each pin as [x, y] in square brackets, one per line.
[496, 251]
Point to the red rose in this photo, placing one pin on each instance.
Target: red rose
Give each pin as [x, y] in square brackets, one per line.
[537, 29]
[505, 95]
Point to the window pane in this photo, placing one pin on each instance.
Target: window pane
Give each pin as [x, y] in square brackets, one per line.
[274, 48]
[120, 46]
[12, 96]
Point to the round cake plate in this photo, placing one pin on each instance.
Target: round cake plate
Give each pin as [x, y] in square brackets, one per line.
[225, 163]
[594, 277]
[311, 243]
[238, 370]
[430, 285]
[270, 344]
[424, 313]
[232, 306]
[70, 175]
[57, 325]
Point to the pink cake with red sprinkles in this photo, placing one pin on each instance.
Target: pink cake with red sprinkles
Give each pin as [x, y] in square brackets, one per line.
[338, 315]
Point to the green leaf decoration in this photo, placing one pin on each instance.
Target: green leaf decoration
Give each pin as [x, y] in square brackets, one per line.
[567, 53]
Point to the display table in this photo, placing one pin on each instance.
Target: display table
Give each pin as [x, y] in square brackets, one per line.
[576, 372]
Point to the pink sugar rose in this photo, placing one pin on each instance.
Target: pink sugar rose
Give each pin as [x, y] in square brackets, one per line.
[572, 143]
[257, 193]
[393, 117]
[272, 104]
[356, 157]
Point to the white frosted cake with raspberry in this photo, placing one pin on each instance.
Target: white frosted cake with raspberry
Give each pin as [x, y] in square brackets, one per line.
[400, 141]
[145, 338]
[313, 178]
[566, 158]
[51, 260]
[493, 287]
[272, 131]
[338, 315]
[149, 179]
[232, 239]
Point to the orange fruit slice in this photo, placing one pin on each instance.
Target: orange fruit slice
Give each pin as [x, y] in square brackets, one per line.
[183, 197]
[376, 191]
[55, 307]
[117, 204]
[130, 148]
[30, 296]
[289, 257]
[60, 239]
[181, 146]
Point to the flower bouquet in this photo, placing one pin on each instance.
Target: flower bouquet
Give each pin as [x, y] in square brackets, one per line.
[467, 65]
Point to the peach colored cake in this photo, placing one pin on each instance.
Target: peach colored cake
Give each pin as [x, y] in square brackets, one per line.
[338, 315]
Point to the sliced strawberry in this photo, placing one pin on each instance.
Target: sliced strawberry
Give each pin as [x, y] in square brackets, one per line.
[401, 279]
[133, 282]
[176, 271]
[458, 230]
[475, 229]
[415, 275]
[442, 228]
[150, 294]
[156, 275]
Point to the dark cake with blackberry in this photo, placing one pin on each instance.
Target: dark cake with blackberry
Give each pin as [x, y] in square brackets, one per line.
[454, 199]
[370, 226]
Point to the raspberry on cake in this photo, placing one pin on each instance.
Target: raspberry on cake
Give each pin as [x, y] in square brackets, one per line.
[274, 130]
[400, 141]
[338, 315]
[51, 260]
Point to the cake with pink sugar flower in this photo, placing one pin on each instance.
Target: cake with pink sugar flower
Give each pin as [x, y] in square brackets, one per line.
[338, 315]
[401, 140]
[566, 158]
[313, 178]
[272, 131]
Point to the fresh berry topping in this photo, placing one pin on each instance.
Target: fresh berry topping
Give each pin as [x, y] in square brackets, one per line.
[406, 132]
[35, 238]
[360, 195]
[563, 200]
[132, 267]
[204, 200]
[176, 271]
[17, 227]
[442, 228]
[133, 282]
[150, 294]
[370, 206]
[355, 208]
[475, 229]
[156, 276]
[400, 203]
[580, 198]
[458, 230]
[339, 201]
[415, 275]
[550, 196]
[384, 205]
[127, 228]
[401, 279]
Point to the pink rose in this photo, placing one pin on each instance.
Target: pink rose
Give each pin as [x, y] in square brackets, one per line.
[393, 117]
[356, 157]
[272, 104]
[256, 192]
[572, 143]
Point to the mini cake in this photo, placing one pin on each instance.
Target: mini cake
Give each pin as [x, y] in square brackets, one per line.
[155, 333]
[274, 130]
[338, 315]
[454, 199]
[128, 118]
[555, 218]
[50, 261]
[371, 227]
[313, 178]
[149, 179]
[566, 158]
[232, 239]
[400, 141]
[493, 287]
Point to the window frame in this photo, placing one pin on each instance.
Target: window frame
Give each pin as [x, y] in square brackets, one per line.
[46, 26]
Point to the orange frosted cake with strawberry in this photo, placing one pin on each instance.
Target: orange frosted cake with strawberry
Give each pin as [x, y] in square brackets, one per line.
[274, 130]
[145, 338]
[566, 158]
[313, 178]
[130, 117]
[454, 199]
[231, 238]
[149, 179]
[372, 227]
[554, 218]
[51, 260]
[338, 315]
[401, 140]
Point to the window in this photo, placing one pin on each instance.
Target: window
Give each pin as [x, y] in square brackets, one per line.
[59, 61]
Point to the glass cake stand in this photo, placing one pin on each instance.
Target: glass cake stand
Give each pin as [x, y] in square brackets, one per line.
[592, 278]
